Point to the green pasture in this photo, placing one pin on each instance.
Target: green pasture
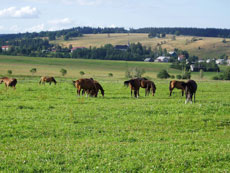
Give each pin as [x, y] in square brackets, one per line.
[47, 128]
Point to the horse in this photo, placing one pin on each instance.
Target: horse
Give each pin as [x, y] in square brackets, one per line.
[176, 84]
[98, 87]
[135, 85]
[47, 79]
[9, 82]
[85, 85]
[190, 90]
[147, 84]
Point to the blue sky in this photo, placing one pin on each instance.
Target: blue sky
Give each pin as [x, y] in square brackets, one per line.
[42, 15]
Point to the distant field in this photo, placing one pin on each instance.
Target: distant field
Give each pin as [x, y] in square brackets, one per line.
[21, 66]
[209, 47]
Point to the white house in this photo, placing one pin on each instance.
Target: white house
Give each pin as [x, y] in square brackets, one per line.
[5, 48]
[220, 61]
[181, 57]
[148, 60]
[162, 59]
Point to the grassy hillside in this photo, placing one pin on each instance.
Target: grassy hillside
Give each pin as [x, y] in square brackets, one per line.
[209, 47]
[92, 68]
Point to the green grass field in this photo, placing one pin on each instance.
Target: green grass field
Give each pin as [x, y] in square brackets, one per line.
[210, 47]
[47, 128]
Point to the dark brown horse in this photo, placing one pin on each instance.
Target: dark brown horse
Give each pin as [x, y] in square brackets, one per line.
[98, 87]
[190, 90]
[47, 79]
[9, 82]
[148, 85]
[176, 84]
[135, 85]
[86, 85]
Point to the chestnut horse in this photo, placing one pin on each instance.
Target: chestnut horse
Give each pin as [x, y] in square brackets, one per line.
[147, 84]
[176, 84]
[98, 87]
[190, 90]
[135, 85]
[9, 82]
[86, 85]
[47, 79]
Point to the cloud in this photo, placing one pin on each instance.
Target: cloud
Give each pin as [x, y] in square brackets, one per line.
[64, 21]
[24, 12]
[1, 27]
[36, 28]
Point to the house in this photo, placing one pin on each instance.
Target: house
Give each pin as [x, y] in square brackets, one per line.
[75, 48]
[220, 61]
[121, 47]
[5, 48]
[162, 59]
[228, 62]
[172, 53]
[201, 60]
[148, 60]
[181, 57]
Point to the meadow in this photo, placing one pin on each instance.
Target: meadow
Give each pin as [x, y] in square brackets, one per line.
[47, 128]
[204, 47]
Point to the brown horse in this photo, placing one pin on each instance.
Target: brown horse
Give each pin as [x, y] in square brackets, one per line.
[47, 79]
[148, 85]
[9, 82]
[135, 85]
[86, 85]
[176, 84]
[190, 90]
[98, 87]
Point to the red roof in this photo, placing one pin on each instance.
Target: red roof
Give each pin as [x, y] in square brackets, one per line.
[4, 47]
[74, 48]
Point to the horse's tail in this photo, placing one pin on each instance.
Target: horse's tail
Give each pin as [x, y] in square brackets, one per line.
[73, 82]
[170, 85]
[40, 81]
[126, 83]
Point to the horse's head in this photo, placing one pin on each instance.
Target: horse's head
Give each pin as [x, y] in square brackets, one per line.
[103, 92]
[1, 80]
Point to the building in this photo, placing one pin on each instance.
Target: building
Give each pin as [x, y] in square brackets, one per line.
[75, 48]
[172, 53]
[162, 59]
[5, 48]
[181, 57]
[148, 60]
[220, 61]
[121, 47]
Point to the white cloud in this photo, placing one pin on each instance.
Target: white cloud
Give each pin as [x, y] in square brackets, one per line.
[36, 28]
[15, 29]
[1, 27]
[64, 21]
[24, 12]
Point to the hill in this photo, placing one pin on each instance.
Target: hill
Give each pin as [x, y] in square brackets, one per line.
[203, 47]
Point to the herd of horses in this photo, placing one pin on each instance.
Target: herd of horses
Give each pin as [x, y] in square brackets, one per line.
[91, 87]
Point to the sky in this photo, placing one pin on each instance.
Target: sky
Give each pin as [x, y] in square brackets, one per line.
[19, 16]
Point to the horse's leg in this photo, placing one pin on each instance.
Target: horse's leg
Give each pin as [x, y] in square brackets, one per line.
[182, 92]
[146, 90]
[170, 92]
[194, 97]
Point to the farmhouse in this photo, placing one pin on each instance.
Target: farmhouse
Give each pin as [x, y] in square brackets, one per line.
[181, 57]
[172, 53]
[148, 60]
[220, 61]
[121, 47]
[5, 48]
[162, 59]
[75, 48]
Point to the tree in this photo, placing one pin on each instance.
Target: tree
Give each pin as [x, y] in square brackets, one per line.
[110, 74]
[9, 72]
[201, 73]
[163, 74]
[63, 71]
[33, 70]
[82, 73]
[227, 74]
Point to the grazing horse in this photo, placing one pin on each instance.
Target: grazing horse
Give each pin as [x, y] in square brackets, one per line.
[147, 84]
[176, 84]
[98, 87]
[190, 90]
[9, 82]
[47, 79]
[135, 85]
[86, 85]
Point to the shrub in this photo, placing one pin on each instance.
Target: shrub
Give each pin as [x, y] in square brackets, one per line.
[172, 77]
[33, 70]
[9, 72]
[226, 74]
[63, 71]
[110, 74]
[134, 72]
[82, 73]
[186, 75]
[178, 76]
[163, 74]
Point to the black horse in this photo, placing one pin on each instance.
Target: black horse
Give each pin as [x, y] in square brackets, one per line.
[190, 90]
